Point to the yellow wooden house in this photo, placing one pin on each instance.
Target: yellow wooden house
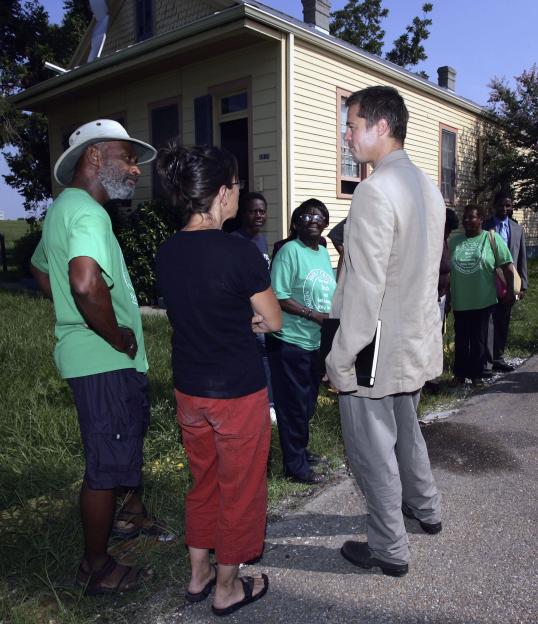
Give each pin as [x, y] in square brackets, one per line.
[267, 86]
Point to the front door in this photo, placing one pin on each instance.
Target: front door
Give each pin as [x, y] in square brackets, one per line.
[234, 138]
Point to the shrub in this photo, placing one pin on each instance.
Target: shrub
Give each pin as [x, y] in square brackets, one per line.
[22, 251]
[140, 234]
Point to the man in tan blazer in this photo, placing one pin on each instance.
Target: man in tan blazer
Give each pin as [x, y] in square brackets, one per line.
[392, 250]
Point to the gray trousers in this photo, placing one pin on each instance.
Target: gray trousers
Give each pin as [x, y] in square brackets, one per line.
[389, 459]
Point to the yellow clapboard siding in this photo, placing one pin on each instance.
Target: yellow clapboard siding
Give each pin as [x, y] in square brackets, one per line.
[132, 101]
[317, 74]
[317, 77]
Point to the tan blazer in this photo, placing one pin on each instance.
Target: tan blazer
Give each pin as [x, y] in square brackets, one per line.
[392, 251]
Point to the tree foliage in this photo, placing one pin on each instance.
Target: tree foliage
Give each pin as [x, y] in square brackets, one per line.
[408, 49]
[140, 235]
[360, 23]
[27, 40]
[511, 146]
[24, 34]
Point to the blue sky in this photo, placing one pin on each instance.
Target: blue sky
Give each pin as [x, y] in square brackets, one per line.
[479, 38]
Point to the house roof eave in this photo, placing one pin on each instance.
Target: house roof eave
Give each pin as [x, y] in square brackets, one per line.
[312, 35]
[35, 97]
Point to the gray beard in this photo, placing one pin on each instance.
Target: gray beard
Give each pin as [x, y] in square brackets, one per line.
[114, 183]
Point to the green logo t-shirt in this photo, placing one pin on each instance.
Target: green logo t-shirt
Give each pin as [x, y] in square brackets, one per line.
[76, 225]
[305, 275]
[472, 276]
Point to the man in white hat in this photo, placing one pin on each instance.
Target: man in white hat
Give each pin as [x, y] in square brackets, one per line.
[100, 345]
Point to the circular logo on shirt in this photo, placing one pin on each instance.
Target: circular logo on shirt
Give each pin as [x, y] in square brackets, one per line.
[467, 256]
[318, 289]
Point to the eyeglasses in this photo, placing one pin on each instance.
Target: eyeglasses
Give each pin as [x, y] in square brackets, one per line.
[241, 184]
[313, 218]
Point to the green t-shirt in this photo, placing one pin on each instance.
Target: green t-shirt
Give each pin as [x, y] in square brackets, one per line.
[305, 275]
[472, 276]
[76, 225]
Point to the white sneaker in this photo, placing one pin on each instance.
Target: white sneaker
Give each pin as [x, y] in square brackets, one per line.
[272, 414]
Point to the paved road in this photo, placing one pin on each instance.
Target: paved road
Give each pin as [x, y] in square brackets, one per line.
[480, 569]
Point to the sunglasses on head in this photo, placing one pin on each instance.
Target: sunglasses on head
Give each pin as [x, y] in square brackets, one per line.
[312, 218]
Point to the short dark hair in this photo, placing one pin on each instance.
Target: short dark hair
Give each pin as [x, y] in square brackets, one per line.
[480, 211]
[452, 220]
[307, 205]
[245, 199]
[380, 102]
[501, 196]
[192, 176]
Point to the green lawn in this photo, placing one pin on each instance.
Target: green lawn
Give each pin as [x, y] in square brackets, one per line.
[522, 343]
[41, 466]
[13, 230]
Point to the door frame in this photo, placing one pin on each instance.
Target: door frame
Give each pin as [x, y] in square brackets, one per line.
[233, 87]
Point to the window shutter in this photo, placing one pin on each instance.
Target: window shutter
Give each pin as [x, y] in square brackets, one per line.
[203, 120]
[164, 127]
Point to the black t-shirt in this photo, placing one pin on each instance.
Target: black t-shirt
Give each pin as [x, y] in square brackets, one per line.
[207, 278]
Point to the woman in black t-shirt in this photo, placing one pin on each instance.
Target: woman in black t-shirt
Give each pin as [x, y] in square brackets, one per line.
[212, 284]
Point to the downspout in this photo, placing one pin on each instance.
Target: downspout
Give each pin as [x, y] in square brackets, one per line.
[290, 139]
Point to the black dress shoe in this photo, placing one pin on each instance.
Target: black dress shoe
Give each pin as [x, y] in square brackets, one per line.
[312, 478]
[503, 367]
[486, 374]
[478, 383]
[428, 527]
[314, 459]
[359, 554]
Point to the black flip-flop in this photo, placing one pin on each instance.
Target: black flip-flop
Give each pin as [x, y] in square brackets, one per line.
[202, 595]
[248, 586]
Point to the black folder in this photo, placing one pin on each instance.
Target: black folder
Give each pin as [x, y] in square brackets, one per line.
[366, 362]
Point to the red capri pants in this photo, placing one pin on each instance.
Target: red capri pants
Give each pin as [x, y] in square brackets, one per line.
[227, 445]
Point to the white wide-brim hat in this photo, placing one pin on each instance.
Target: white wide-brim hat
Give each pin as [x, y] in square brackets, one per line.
[97, 131]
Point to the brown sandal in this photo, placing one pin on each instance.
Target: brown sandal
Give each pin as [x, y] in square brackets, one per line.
[92, 580]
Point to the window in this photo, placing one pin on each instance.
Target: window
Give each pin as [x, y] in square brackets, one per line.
[349, 173]
[144, 19]
[480, 152]
[234, 103]
[164, 126]
[447, 164]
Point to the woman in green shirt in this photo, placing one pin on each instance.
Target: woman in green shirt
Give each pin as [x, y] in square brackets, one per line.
[303, 282]
[473, 265]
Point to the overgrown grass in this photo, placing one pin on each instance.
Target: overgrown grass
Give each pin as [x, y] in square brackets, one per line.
[41, 464]
[13, 230]
[522, 343]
